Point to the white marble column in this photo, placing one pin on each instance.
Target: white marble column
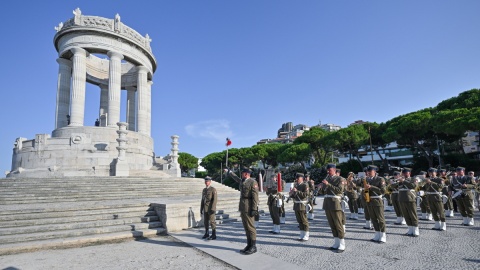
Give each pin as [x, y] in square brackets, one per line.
[142, 86]
[149, 108]
[131, 108]
[63, 92]
[102, 114]
[114, 87]
[79, 75]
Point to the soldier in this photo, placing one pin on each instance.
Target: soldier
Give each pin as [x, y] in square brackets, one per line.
[376, 188]
[208, 206]
[332, 187]
[311, 188]
[461, 189]
[343, 203]
[407, 199]
[388, 204]
[351, 192]
[300, 196]
[274, 203]
[433, 187]
[394, 195]
[368, 222]
[248, 207]
[448, 206]
[424, 206]
[477, 187]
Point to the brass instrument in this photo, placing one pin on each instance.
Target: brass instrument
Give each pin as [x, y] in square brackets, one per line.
[366, 192]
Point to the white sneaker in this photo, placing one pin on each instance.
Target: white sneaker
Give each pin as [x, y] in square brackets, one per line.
[437, 226]
[282, 220]
[410, 230]
[306, 236]
[451, 214]
[383, 237]
[278, 228]
[471, 222]
[443, 226]
[376, 237]
[336, 243]
[416, 231]
[341, 246]
[465, 221]
[368, 225]
[302, 234]
[429, 217]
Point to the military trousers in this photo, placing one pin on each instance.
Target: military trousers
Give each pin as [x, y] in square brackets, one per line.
[209, 219]
[375, 209]
[396, 205]
[389, 198]
[436, 206]
[352, 204]
[449, 204]
[302, 220]
[465, 205]
[248, 226]
[365, 208]
[424, 206]
[274, 213]
[334, 218]
[409, 212]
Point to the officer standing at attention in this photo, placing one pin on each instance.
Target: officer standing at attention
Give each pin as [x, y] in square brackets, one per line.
[376, 188]
[208, 206]
[332, 187]
[248, 207]
[299, 194]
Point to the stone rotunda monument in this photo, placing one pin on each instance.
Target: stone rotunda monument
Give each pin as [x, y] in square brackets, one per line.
[109, 54]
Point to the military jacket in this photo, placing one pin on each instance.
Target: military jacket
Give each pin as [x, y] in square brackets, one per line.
[393, 189]
[248, 193]
[300, 197]
[406, 190]
[435, 186]
[351, 190]
[458, 181]
[209, 200]
[273, 195]
[446, 183]
[376, 190]
[334, 188]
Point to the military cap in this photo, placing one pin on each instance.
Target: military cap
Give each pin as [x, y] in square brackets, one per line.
[307, 174]
[385, 174]
[372, 168]
[331, 165]
[422, 172]
[460, 169]
[338, 170]
[432, 170]
[299, 175]
[442, 170]
[246, 170]
[396, 173]
[208, 178]
[406, 170]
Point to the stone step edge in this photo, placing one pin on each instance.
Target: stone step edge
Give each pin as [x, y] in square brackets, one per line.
[80, 241]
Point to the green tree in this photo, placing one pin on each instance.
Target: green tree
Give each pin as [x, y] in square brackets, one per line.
[350, 140]
[296, 153]
[187, 162]
[320, 146]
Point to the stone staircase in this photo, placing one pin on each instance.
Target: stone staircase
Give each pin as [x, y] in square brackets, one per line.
[54, 213]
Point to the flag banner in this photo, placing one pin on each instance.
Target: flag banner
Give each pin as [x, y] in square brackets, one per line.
[229, 142]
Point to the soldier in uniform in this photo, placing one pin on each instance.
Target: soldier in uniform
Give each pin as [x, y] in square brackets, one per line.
[448, 206]
[248, 207]
[333, 188]
[274, 203]
[351, 192]
[343, 203]
[407, 199]
[208, 206]
[461, 189]
[433, 192]
[477, 188]
[388, 196]
[376, 188]
[394, 195]
[311, 188]
[368, 222]
[300, 196]
[424, 206]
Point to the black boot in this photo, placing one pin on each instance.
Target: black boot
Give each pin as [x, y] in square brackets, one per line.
[205, 235]
[249, 244]
[252, 248]
[214, 235]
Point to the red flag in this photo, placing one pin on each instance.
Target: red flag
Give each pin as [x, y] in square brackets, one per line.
[228, 142]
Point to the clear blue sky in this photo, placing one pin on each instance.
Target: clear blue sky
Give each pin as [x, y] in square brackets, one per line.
[240, 69]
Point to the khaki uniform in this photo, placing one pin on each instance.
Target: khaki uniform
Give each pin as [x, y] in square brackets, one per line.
[351, 192]
[396, 204]
[424, 205]
[300, 199]
[273, 197]
[208, 206]
[464, 201]
[331, 204]
[407, 199]
[433, 194]
[248, 203]
[375, 206]
[449, 204]
[311, 188]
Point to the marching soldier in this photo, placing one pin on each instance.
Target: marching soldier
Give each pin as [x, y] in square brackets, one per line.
[433, 187]
[448, 206]
[343, 203]
[351, 192]
[376, 188]
[311, 188]
[248, 207]
[388, 197]
[407, 198]
[461, 189]
[394, 195]
[477, 187]
[300, 196]
[274, 203]
[208, 206]
[368, 222]
[332, 187]
[424, 206]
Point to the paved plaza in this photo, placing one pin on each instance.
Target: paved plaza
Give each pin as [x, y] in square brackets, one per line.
[457, 248]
